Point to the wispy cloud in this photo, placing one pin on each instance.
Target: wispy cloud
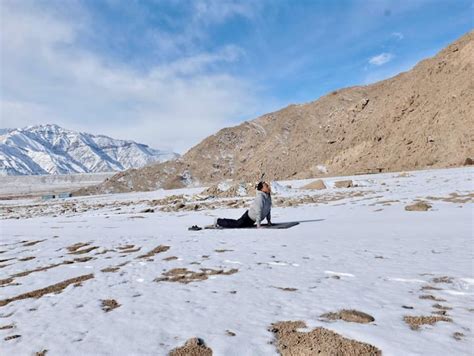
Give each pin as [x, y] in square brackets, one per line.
[47, 77]
[398, 35]
[381, 59]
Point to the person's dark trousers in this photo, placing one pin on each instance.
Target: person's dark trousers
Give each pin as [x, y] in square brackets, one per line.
[243, 221]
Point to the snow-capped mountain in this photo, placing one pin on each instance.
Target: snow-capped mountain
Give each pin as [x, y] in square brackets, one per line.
[50, 149]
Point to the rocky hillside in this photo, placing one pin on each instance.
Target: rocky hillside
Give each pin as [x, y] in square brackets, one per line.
[50, 149]
[418, 119]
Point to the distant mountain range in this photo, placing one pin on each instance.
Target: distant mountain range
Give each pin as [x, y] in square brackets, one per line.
[50, 149]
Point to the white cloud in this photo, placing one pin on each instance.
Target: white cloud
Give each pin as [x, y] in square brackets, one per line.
[47, 78]
[398, 35]
[381, 59]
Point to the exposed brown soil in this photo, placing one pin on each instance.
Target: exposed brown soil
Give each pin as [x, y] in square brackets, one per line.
[83, 259]
[441, 307]
[45, 268]
[131, 250]
[109, 305]
[444, 279]
[192, 347]
[77, 246]
[55, 288]
[319, 341]
[416, 321]
[125, 247]
[351, 315]
[287, 289]
[429, 288]
[183, 275]
[431, 297]
[110, 269]
[170, 258]
[455, 198]
[316, 185]
[6, 327]
[5, 281]
[418, 206]
[26, 258]
[84, 250]
[32, 243]
[41, 353]
[156, 250]
[39, 269]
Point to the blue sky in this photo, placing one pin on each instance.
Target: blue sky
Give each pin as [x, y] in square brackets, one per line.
[169, 73]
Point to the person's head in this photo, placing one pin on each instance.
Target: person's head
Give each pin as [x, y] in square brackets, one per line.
[264, 187]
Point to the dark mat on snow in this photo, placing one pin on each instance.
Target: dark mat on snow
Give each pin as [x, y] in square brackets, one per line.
[285, 225]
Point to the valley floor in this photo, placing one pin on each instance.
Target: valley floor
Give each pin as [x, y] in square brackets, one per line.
[108, 278]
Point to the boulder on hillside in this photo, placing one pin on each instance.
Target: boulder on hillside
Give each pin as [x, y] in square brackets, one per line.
[344, 184]
[317, 185]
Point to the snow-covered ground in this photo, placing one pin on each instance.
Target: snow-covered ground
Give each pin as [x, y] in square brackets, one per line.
[360, 251]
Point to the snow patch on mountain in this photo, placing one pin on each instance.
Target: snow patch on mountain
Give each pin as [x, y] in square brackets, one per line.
[50, 149]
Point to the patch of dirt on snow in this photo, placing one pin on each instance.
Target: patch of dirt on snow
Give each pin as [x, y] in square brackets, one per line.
[416, 321]
[11, 337]
[429, 288]
[432, 297]
[319, 341]
[77, 246]
[455, 198]
[170, 258]
[287, 289]
[85, 250]
[26, 258]
[418, 206]
[192, 347]
[110, 269]
[441, 307]
[32, 243]
[444, 279]
[54, 288]
[156, 250]
[458, 335]
[183, 275]
[6, 281]
[349, 315]
[6, 327]
[109, 304]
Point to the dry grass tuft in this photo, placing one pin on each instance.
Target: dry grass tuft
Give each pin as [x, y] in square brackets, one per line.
[156, 250]
[183, 275]
[416, 321]
[55, 288]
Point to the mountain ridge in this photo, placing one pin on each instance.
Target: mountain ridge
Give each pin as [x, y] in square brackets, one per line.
[51, 149]
[417, 119]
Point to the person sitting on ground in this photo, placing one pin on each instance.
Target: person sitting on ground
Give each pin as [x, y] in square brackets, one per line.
[258, 211]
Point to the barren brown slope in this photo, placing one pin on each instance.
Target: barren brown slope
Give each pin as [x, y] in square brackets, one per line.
[419, 119]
